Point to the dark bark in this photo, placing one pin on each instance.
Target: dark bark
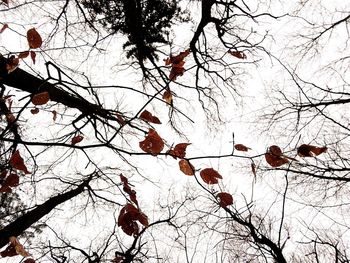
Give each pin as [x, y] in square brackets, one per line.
[206, 18]
[12, 125]
[25, 81]
[22, 223]
[259, 238]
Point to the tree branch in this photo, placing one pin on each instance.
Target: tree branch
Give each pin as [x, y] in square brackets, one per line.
[22, 223]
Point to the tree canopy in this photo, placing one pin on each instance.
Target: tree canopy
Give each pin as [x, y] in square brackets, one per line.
[174, 131]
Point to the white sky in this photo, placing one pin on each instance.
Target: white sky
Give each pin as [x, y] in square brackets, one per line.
[207, 138]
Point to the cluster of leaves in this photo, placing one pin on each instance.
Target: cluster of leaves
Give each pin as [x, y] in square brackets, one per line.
[43, 98]
[131, 213]
[177, 64]
[148, 117]
[275, 157]
[34, 41]
[16, 248]
[40, 99]
[10, 179]
[154, 144]
[10, 118]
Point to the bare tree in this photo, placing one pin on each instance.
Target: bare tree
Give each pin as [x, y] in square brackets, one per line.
[101, 99]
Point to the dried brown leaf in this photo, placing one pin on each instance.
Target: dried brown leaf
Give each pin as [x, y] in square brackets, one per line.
[41, 98]
[34, 111]
[18, 246]
[147, 116]
[167, 96]
[77, 139]
[306, 150]
[54, 115]
[152, 143]
[17, 162]
[179, 150]
[225, 199]
[241, 147]
[210, 176]
[23, 54]
[4, 26]
[10, 251]
[275, 161]
[34, 38]
[177, 64]
[33, 56]
[238, 54]
[186, 167]
[12, 180]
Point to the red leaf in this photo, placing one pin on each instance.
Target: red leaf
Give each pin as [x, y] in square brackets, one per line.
[238, 54]
[143, 219]
[29, 260]
[19, 247]
[77, 139]
[179, 150]
[177, 64]
[168, 97]
[33, 56]
[186, 167]
[41, 98]
[275, 161]
[23, 54]
[133, 197]
[241, 147]
[34, 111]
[152, 143]
[120, 119]
[177, 59]
[210, 176]
[10, 251]
[10, 118]
[175, 72]
[127, 218]
[54, 115]
[127, 189]
[12, 64]
[123, 179]
[306, 150]
[225, 199]
[274, 156]
[12, 180]
[147, 116]
[275, 150]
[4, 25]
[16, 161]
[5, 189]
[34, 39]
